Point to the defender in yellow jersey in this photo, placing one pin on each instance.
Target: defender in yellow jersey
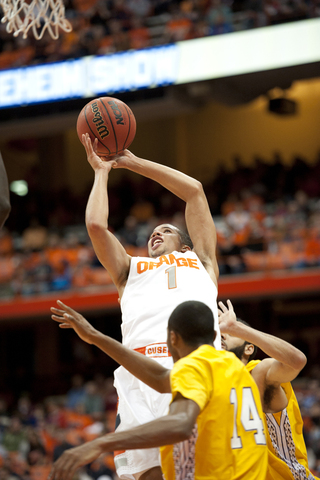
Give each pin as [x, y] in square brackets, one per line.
[287, 455]
[214, 427]
[287, 459]
[228, 440]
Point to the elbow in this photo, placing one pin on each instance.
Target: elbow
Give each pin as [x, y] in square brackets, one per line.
[195, 189]
[198, 188]
[300, 360]
[184, 428]
[163, 383]
[94, 228]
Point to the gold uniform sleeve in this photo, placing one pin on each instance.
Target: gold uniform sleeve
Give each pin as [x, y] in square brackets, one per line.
[192, 381]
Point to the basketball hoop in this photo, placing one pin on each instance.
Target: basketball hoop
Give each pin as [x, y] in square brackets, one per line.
[38, 15]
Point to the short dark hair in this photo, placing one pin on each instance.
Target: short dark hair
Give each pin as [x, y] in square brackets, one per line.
[255, 348]
[185, 238]
[193, 321]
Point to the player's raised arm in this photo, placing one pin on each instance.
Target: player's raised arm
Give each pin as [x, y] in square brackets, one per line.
[199, 220]
[145, 369]
[108, 249]
[285, 361]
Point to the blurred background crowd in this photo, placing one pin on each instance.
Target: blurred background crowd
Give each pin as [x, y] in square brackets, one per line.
[33, 435]
[107, 26]
[267, 218]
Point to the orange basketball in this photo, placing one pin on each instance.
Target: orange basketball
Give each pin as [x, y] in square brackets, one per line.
[109, 120]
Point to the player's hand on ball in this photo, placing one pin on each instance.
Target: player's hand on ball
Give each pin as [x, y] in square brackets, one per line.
[124, 159]
[69, 318]
[95, 161]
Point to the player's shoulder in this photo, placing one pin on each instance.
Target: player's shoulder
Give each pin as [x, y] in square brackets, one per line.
[208, 354]
[257, 366]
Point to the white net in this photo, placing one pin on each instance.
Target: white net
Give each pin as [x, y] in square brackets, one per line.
[37, 16]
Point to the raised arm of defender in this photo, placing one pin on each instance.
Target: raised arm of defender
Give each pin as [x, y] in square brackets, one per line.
[284, 364]
[145, 369]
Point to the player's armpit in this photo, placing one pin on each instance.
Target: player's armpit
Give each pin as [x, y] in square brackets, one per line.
[266, 375]
[274, 399]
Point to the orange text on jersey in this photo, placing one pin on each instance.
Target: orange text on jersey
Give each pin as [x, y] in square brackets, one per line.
[159, 350]
[144, 265]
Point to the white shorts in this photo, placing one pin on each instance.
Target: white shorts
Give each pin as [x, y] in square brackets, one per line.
[138, 404]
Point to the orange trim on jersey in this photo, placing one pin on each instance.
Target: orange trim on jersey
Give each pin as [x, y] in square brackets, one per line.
[118, 452]
[155, 350]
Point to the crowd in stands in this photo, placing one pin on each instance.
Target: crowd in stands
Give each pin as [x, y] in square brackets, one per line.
[107, 26]
[267, 218]
[33, 435]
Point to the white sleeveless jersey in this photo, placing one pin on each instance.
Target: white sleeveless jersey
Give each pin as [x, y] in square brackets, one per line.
[155, 287]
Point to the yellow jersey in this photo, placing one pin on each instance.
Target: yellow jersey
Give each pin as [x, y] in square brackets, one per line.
[287, 453]
[228, 440]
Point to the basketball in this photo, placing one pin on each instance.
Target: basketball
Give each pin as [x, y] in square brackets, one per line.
[109, 120]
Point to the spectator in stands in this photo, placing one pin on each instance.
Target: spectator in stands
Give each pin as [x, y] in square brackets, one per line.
[139, 8]
[179, 26]
[15, 438]
[77, 392]
[219, 17]
[139, 36]
[93, 401]
[34, 238]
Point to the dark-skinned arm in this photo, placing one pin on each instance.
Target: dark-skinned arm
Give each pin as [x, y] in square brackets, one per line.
[173, 428]
[287, 362]
[145, 369]
[283, 366]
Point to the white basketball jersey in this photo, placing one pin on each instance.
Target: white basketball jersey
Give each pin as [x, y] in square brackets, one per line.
[155, 287]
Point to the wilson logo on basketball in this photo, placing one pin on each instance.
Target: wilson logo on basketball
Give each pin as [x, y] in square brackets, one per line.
[117, 112]
[98, 121]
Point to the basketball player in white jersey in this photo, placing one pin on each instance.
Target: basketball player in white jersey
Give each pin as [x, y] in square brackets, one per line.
[178, 269]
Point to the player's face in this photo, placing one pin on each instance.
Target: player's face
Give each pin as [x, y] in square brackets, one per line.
[233, 344]
[163, 240]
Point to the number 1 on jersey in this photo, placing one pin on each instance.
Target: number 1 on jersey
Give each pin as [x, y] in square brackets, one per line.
[172, 279]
